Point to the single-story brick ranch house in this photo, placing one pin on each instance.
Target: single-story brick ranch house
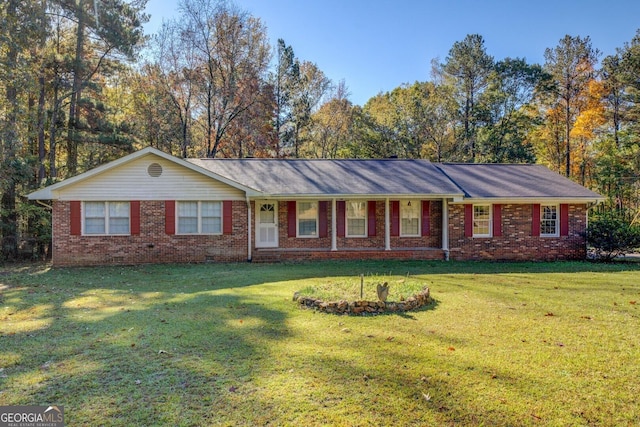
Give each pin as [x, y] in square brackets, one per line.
[151, 207]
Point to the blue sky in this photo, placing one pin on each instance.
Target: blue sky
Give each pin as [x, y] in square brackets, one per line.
[377, 45]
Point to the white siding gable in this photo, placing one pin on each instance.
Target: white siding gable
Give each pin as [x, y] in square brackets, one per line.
[132, 181]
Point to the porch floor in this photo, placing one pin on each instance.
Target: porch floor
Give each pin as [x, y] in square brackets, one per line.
[302, 254]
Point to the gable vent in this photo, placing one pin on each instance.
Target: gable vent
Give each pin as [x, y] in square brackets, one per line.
[154, 170]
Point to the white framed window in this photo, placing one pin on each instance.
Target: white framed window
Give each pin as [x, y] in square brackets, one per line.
[410, 218]
[307, 219]
[107, 218]
[549, 224]
[199, 217]
[481, 220]
[356, 218]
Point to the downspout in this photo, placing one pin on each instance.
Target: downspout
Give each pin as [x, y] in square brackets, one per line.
[249, 229]
[445, 228]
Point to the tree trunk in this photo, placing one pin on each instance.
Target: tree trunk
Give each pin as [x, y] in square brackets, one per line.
[72, 142]
[8, 217]
[41, 137]
[567, 151]
[53, 128]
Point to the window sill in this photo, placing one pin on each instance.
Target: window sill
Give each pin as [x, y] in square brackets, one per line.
[106, 235]
[198, 234]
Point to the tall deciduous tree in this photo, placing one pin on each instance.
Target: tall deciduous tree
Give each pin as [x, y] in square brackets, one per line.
[233, 54]
[331, 126]
[572, 65]
[310, 89]
[617, 166]
[513, 85]
[590, 118]
[174, 73]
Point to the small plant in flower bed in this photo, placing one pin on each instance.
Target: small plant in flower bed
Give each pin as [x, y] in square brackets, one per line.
[348, 288]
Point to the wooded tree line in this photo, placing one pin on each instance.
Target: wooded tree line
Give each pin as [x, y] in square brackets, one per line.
[81, 84]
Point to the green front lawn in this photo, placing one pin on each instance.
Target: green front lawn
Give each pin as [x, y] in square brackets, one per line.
[552, 344]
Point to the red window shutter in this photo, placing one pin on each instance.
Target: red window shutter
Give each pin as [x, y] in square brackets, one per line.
[323, 229]
[170, 216]
[497, 220]
[395, 218]
[535, 221]
[227, 217]
[564, 220]
[371, 218]
[426, 218]
[468, 220]
[340, 217]
[134, 209]
[291, 218]
[76, 218]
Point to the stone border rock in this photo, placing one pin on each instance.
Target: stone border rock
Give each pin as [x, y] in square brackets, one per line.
[416, 301]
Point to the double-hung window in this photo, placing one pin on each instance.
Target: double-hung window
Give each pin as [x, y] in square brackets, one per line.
[549, 221]
[106, 218]
[356, 218]
[481, 220]
[307, 219]
[410, 218]
[199, 217]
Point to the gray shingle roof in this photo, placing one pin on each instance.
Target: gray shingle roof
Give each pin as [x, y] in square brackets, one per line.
[513, 181]
[277, 177]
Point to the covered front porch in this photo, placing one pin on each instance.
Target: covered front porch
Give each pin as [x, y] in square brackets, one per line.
[348, 228]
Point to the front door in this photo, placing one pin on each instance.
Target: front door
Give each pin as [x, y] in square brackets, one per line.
[266, 224]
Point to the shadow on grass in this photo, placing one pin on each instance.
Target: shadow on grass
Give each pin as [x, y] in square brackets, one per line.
[192, 345]
[132, 356]
[189, 278]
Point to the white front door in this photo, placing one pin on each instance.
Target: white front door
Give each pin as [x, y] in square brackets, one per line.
[266, 224]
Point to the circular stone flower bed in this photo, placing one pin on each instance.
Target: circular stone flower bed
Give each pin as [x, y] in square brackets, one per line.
[414, 302]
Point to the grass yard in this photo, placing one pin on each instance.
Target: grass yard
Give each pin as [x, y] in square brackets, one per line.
[525, 344]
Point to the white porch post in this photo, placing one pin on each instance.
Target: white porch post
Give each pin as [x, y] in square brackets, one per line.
[387, 225]
[334, 232]
[249, 229]
[445, 228]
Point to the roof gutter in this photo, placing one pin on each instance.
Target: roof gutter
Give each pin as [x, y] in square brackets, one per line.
[328, 196]
[525, 200]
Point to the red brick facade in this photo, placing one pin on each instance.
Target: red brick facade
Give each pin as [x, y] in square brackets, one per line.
[517, 241]
[154, 245]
